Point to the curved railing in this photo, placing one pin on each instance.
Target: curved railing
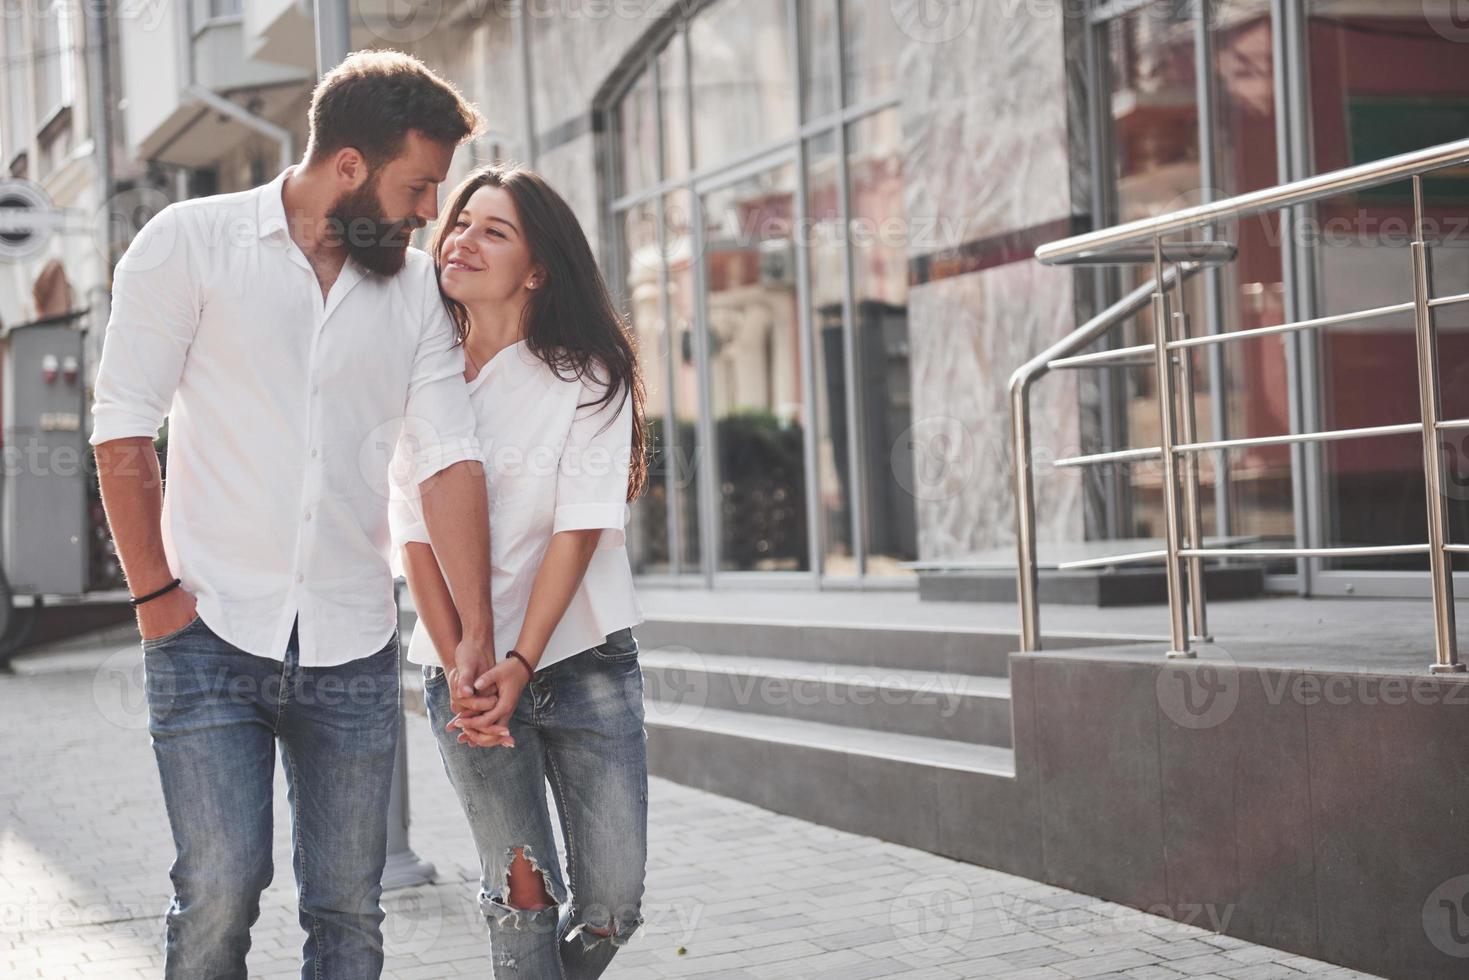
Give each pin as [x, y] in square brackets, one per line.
[1143, 241]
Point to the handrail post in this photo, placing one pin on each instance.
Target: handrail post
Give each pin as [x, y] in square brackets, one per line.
[1198, 614]
[1027, 582]
[1178, 633]
[1440, 567]
[1027, 568]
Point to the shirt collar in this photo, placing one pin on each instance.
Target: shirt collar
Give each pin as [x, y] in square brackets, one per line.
[271, 209]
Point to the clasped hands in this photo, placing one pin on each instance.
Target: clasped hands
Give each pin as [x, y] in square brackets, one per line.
[483, 695]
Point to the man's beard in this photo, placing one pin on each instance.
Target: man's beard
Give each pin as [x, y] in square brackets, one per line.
[378, 245]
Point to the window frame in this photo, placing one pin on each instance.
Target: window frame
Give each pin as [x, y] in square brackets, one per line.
[698, 181]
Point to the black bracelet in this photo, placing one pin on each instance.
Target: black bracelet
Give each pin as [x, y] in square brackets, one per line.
[516, 654]
[154, 595]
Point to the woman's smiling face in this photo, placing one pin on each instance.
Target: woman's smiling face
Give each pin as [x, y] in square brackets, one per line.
[485, 257]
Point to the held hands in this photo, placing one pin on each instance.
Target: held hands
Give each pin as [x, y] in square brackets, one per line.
[507, 680]
[471, 701]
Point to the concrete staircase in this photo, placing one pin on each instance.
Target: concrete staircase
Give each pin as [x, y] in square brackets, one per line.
[858, 727]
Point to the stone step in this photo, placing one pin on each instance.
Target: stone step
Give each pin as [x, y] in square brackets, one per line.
[944, 649]
[908, 789]
[890, 700]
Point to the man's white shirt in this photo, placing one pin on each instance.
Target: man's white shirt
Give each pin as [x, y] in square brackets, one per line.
[285, 410]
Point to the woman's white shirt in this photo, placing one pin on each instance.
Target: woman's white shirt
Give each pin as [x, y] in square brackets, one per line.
[554, 461]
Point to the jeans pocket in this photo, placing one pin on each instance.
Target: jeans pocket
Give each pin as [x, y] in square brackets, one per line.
[154, 642]
[620, 647]
[433, 674]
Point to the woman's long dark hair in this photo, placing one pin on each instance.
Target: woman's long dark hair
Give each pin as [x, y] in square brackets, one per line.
[571, 321]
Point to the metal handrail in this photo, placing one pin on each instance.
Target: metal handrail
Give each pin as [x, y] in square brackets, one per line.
[1175, 404]
[1020, 381]
[1303, 191]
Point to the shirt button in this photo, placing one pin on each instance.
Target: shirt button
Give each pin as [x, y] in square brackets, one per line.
[315, 389]
[308, 515]
[313, 454]
[300, 579]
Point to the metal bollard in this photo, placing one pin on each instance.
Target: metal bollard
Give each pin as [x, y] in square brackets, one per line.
[404, 869]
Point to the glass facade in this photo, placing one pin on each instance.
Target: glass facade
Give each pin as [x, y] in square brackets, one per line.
[763, 261]
[1374, 80]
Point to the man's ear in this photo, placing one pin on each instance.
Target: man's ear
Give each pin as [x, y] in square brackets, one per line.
[350, 167]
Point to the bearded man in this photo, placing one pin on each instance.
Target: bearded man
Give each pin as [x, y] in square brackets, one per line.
[295, 342]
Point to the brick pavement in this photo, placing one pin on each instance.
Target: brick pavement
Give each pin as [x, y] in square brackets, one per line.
[733, 890]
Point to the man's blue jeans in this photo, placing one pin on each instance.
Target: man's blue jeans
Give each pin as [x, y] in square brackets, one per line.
[215, 714]
[578, 724]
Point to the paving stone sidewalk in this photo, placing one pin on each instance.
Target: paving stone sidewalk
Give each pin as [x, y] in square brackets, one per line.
[733, 890]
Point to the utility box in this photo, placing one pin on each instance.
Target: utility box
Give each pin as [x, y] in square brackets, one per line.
[45, 524]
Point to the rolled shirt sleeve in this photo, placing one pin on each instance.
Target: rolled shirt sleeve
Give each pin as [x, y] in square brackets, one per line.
[591, 484]
[155, 315]
[405, 521]
[438, 429]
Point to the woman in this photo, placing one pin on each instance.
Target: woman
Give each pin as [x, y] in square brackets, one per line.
[554, 385]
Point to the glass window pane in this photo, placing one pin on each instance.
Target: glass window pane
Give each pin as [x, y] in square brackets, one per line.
[755, 372]
[52, 58]
[826, 258]
[1387, 79]
[637, 126]
[648, 544]
[17, 130]
[744, 87]
[872, 39]
[673, 78]
[878, 236]
[1155, 161]
[1252, 295]
[822, 59]
[683, 443]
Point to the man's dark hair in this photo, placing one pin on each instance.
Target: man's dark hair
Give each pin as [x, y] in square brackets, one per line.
[373, 98]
